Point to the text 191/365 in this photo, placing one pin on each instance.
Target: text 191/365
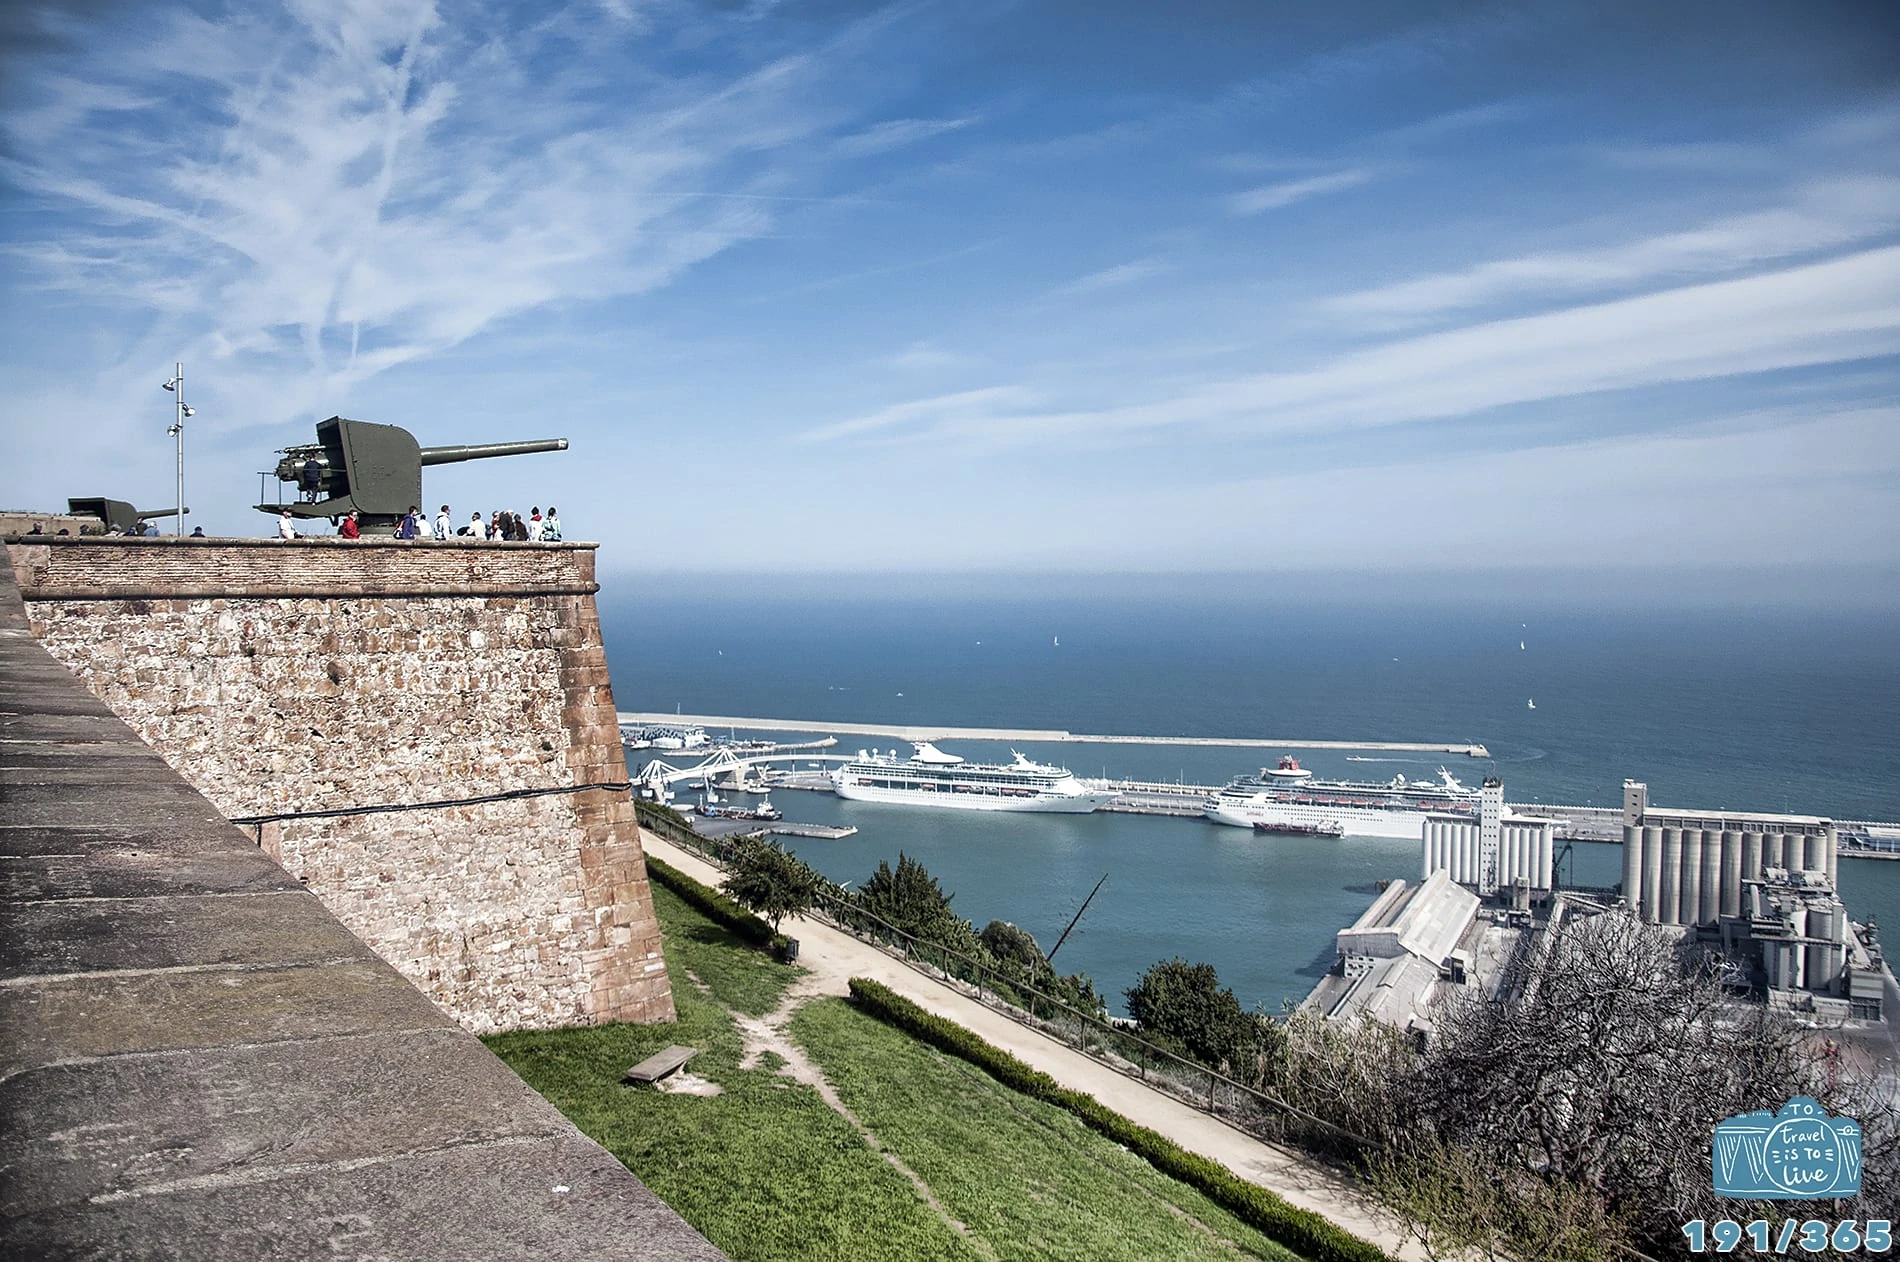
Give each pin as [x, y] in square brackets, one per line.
[1812, 1235]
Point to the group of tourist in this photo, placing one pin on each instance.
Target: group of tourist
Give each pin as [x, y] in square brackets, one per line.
[505, 527]
[501, 527]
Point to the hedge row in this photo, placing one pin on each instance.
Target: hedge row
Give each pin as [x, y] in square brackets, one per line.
[710, 902]
[1303, 1231]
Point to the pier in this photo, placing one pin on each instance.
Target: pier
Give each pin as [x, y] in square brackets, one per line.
[1051, 736]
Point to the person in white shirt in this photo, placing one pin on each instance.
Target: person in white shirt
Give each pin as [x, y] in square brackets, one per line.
[534, 525]
[441, 528]
[551, 525]
[475, 529]
[286, 529]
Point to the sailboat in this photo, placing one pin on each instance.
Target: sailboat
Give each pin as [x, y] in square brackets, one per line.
[1055, 641]
[1532, 703]
[1520, 644]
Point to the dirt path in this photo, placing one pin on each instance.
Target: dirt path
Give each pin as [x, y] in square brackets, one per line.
[833, 958]
[770, 1033]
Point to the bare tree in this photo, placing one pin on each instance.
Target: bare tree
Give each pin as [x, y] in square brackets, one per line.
[1610, 1069]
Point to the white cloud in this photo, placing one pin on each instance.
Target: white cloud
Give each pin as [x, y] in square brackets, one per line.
[940, 410]
[1114, 277]
[1275, 196]
[1824, 215]
[896, 134]
[1845, 309]
[1772, 489]
[360, 186]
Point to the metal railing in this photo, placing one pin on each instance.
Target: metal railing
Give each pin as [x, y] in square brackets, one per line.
[1249, 1109]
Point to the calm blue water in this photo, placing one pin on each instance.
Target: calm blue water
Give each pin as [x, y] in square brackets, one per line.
[1788, 710]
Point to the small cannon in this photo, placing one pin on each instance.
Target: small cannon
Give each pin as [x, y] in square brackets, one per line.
[374, 469]
[117, 513]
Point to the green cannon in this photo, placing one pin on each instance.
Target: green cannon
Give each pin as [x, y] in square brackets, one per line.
[375, 470]
[117, 514]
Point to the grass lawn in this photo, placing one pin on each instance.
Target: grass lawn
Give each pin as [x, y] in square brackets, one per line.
[768, 1171]
[1026, 1177]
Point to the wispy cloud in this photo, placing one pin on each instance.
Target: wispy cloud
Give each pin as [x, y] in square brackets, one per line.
[1275, 196]
[1114, 277]
[1823, 313]
[896, 134]
[358, 186]
[940, 410]
[1823, 216]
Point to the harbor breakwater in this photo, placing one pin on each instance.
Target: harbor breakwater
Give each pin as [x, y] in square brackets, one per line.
[413, 727]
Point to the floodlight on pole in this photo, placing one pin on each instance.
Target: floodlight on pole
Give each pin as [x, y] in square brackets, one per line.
[177, 387]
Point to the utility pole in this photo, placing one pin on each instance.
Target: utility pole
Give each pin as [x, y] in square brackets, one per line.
[177, 387]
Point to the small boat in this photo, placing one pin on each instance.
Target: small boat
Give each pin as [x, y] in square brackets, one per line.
[1532, 703]
[1331, 828]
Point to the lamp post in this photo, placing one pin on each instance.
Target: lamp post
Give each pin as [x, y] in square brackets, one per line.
[177, 387]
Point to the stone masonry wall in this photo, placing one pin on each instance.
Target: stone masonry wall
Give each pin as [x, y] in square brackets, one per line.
[318, 675]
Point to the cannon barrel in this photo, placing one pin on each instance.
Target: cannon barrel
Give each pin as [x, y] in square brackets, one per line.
[482, 451]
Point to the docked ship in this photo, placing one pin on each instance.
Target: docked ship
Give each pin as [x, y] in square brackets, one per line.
[930, 777]
[1289, 797]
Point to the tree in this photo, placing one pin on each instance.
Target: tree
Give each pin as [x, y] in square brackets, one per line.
[1185, 1004]
[1606, 1069]
[1458, 1203]
[770, 881]
[910, 899]
[1015, 953]
[1014, 949]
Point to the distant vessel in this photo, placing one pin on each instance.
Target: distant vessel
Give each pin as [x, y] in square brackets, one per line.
[930, 777]
[1289, 796]
[1331, 828]
[1531, 703]
[1520, 644]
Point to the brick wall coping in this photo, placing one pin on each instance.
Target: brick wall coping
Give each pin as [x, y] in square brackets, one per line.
[122, 567]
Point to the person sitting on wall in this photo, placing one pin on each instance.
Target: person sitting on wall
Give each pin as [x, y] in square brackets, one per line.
[349, 529]
[474, 529]
[197, 532]
[286, 528]
[551, 526]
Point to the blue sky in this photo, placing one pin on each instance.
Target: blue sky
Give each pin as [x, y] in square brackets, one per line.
[983, 286]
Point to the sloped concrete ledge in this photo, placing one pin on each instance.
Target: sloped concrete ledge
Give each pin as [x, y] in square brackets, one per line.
[198, 1061]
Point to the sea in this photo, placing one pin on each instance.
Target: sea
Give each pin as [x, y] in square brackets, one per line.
[1788, 709]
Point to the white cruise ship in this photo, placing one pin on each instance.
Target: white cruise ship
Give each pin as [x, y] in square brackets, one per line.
[1287, 796]
[930, 777]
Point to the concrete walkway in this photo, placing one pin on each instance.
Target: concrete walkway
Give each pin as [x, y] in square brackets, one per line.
[835, 957]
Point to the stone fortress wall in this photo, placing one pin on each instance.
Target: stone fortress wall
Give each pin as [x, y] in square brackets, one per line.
[316, 675]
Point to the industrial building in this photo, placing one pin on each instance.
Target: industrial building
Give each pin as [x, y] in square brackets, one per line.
[1688, 867]
[1767, 884]
[1393, 958]
[1500, 850]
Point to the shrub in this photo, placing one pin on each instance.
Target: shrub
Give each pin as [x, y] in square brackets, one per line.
[711, 903]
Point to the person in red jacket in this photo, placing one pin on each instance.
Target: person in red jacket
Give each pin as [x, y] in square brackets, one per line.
[348, 529]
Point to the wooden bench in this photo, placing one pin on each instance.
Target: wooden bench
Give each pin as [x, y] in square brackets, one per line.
[660, 1064]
